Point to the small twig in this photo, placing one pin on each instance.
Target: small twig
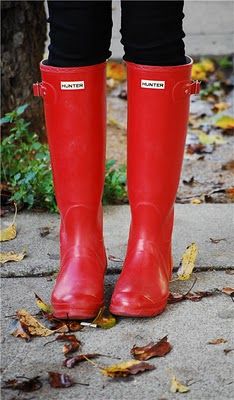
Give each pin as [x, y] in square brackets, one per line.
[195, 280]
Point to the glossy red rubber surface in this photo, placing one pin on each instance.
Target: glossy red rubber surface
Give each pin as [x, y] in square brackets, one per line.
[157, 126]
[76, 124]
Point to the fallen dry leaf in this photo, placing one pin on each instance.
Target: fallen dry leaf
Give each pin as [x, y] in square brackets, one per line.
[23, 384]
[116, 71]
[46, 308]
[210, 139]
[215, 241]
[221, 106]
[226, 351]
[177, 386]
[104, 321]
[188, 262]
[114, 258]
[225, 122]
[208, 65]
[228, 166]
[192, 296]
[57, 380]
[44, 231]
[9, 233]
[11, 256]
[159, 349]
[175, 298]
[195, 201]
[32, 325]
[230, 192]
[126, 368]
[228, 290]
[198, 72]
[70, 362]
[73, 345]
[217, 341]
[17, 330]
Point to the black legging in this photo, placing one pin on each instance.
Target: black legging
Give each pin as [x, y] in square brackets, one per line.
[80, 32]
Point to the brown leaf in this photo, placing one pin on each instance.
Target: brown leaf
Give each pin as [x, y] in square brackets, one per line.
[57, 380]
[73, 345]
[17, 330]
[25, 384]
[159, 349]
[175, 298]
[217, 341]
[33, 326]
[226, 351]
[197, 296]
[192, 296]
[215, 241]
[70, 362]
[44, 231]
[228, 290]
[126, 368]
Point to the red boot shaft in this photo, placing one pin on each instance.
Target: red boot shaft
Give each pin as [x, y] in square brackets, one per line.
[158, 110]
[75, 113]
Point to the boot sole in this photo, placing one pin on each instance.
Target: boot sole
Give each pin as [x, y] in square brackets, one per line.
[135, 312]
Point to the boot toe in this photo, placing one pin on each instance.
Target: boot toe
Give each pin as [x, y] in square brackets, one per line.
[136, 305]
[82, 306]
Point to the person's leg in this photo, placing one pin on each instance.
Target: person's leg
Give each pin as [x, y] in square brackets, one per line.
[73, 89]
[152, 32]
[80, 32]
[158, 105]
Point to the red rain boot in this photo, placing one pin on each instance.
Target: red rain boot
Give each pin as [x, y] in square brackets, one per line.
[158, 110]
[75, 109]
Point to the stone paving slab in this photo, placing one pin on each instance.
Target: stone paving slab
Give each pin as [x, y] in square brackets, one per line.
[193, 223]
[189, 327]
[208, 25]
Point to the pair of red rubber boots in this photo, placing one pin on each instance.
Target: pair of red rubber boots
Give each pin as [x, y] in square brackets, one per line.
[75, 114]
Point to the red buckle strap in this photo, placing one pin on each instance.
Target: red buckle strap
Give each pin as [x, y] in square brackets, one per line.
[38, 89]
[195, 87]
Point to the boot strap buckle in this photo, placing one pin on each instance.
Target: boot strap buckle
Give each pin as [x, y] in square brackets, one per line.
[195, 87]
[39, 89]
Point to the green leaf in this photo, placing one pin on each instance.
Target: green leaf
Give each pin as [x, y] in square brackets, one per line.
[21, 109]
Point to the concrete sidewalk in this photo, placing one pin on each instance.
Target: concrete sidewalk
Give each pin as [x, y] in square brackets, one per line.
[208, 25]
[207, 369]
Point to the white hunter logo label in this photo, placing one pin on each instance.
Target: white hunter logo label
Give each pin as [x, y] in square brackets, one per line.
[148, 84]
[72, 85]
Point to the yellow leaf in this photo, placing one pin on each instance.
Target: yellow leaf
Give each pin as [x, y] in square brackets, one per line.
[195, 201]
[198, 72]
[225, 122]
[11, 256]
[47, 308]
[208, 65]
[188, 262]
[177, 386]
[116, 71]
[104, 321]
[220, 106]
[9, 233]
[34, 327]
[210, 139]
[126, 368]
